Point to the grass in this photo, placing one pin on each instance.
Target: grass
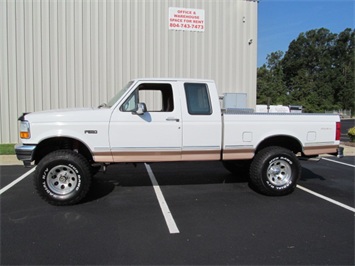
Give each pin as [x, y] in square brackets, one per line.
[7, 149]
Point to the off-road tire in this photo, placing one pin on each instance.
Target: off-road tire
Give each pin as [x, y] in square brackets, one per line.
[275, 171]
[63, 177]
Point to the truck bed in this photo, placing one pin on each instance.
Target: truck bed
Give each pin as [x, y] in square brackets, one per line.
[244, 132]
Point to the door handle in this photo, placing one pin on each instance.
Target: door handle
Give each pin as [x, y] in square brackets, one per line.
[173, 119]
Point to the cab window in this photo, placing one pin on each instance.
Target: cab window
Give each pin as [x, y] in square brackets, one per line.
[158, 97]
[198, 99]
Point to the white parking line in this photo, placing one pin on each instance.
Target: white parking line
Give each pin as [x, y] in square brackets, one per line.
[327, 199]
[163, 205]
[330, 160]
[16, 181]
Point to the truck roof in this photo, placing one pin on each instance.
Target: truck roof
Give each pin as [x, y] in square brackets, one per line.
[173, 79]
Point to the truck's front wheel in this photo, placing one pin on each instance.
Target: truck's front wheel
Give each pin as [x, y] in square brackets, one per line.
[63, 177]
[275, 171]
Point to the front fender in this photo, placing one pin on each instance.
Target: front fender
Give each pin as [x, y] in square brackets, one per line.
[90, 136]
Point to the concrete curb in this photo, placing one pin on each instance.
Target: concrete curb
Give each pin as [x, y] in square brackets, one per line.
[12, 159]
[9, 160]
[348, 150]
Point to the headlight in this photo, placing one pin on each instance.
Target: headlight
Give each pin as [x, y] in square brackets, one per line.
[25, 132]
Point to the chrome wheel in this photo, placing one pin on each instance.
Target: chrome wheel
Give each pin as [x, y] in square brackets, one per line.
[279, 173]
[62, 179]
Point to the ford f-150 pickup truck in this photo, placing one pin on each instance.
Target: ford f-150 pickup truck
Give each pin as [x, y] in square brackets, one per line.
[160, 120]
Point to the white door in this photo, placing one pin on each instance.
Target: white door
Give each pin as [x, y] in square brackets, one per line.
[202, 132]
[153, 136]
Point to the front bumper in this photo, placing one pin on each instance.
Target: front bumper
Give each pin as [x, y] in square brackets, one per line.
[25, 153]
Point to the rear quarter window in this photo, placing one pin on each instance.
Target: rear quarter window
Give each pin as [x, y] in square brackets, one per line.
[198, 99]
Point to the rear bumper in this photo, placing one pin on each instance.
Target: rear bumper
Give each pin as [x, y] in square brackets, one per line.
[25, 153]
[339, 153]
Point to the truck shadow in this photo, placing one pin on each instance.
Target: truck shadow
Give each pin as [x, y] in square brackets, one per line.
[166, 174]
[310, 175]
[172, 174]
[99, 189]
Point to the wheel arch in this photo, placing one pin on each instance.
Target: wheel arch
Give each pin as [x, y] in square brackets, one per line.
[61, 143]
[284, 141]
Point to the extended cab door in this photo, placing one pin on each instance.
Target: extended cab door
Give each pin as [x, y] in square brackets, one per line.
[202, 125]
[155, 135]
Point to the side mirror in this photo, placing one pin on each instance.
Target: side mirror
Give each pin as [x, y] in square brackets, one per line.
[141, 109]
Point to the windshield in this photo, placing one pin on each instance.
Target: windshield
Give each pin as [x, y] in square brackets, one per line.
[119, 94]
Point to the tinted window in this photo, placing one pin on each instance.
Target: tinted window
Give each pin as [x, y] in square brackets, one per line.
[198, 100]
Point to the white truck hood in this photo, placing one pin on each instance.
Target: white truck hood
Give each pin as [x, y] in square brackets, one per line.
[69, 115]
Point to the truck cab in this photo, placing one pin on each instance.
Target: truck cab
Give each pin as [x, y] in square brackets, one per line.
[166, 120]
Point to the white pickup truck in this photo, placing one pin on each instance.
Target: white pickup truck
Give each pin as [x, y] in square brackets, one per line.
[160, 120]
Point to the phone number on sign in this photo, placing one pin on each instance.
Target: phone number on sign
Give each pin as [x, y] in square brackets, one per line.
[186, 26]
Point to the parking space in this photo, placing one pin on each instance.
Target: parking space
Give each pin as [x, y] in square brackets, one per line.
[220, 219]
[330, 179]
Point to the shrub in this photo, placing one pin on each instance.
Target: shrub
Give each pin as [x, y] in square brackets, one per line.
[351, 134]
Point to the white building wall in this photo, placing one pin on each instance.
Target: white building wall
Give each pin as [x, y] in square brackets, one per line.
[58, 54]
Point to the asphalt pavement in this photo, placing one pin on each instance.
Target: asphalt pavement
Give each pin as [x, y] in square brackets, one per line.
[220, 219]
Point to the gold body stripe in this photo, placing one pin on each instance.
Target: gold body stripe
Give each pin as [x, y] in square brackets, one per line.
[203, 155]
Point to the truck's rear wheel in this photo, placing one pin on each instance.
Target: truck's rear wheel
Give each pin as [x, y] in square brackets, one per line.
[63, 177]
[275, 171]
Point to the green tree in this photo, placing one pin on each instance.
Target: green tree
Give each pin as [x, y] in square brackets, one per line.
[344, 55]
[270, 84]
[308, 70]
[317, 72]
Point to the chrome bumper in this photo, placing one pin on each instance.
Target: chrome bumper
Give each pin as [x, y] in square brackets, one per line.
[339, 153]
[25, 153]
